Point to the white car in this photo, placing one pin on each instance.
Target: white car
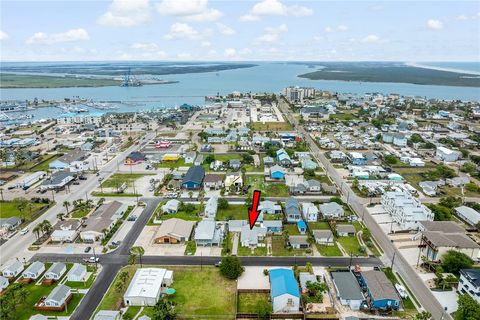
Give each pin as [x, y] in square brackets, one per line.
[24, 231]
[93, 259]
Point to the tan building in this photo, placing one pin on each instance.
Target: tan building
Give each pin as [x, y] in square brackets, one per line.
[174, 231]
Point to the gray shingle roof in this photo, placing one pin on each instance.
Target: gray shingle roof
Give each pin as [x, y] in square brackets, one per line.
[59, 293]
[194, 174]
[347, 285]
[379, 285]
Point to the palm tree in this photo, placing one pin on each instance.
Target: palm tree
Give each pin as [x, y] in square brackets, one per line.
[139, 251]
[46, 226]
[60, 216]
[100, 202]
[66, 204]
[89, 203]
[132, 258]
[37, 230]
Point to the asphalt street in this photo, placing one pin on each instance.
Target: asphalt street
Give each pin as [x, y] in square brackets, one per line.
[400, 265]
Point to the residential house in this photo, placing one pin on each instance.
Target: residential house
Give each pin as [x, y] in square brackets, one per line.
[34, 271]
[269, 207]
[12, 269]
[72, 161]
[171, 207]
[108, 315]
[331, 210]
[10, 223]
[66, 230]
[345, 230]
[78, 273]
[57, 180]
[470, 283]
[438, 240]
[216, 165]
[236, 225]
[87, 146]
[277, 172]
[211, 208]
[268, 161]
[173, 231]
[273, 226]
[357, 159]
[284, 292]
[199, 160]
[3, 283]
[399, 139]
[301, 226]
[283, 158]
[213, 181]
[234, 181]
[194, 178]
[251, 237]
[381, 293]
[323, 237]
[56, 271]
[405, 210]
[308, 164]
[469, 215]
[190, 157]
[310, 211]
[102, 221]
[457, 182]
[208, 233]
[447, 155]
[298, 242]
[59, 297]
[135, 158]
[292, 210]
[347, 289]
[234, 164]
[305, 278]
[314, 185]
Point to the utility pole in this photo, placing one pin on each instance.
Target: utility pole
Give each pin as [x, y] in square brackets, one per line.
[53, 196]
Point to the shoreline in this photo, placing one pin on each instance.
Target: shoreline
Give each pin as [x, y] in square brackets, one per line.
[453, 70]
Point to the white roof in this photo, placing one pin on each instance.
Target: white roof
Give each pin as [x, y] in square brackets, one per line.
[147, 282]
[471, 214]
[446, 150]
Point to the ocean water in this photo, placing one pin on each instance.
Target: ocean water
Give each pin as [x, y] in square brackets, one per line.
[192, 88]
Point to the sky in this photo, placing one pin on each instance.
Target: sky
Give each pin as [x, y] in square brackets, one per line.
[229, 30]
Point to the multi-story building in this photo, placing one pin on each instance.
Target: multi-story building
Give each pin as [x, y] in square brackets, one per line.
[470, 283]
[405, 210]
[297, 94]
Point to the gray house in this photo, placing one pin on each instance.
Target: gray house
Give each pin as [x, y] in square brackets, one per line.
[56, 271]
[59, 296]
[208, 233]
[13, 269]
[34, 271]
[347, 289]
[345, 230]
[331, 210]
[292, 210]
[324, 237]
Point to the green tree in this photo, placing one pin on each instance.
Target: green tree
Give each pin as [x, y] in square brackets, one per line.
[231, 267]
[132, 258]
[223, 203]
[390, 159]
[468, 308]
[424, 315]
[450, 202]
[164, 310]
[263, 310]
[453, 261]
[66, 204]
[138, 251]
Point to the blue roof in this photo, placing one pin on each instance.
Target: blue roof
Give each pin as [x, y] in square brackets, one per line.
[283, 281]
[301, 224]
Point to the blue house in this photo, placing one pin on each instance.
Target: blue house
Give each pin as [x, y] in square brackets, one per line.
[277, 172]
[283, 158]
[284, 290]
[382, 295]
[358, 159]
[194, 178]
[302, 226]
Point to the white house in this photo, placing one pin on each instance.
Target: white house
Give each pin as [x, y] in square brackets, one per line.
[56, 271]
[284, 292]
[470, 283]
[331, 210]
[399, 140]
[58, 297]
[405, 210]
[34, 271]
[310, 211]
[447, 155]
[347, 289]
[211, 208]
[324, 237]
[467, 214]
[12, 269]
[108, 315]
[3, 283]
[171, 207]
[77, 273]
[146, 286]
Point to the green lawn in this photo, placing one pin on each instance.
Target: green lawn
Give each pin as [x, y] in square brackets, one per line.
[116, 180]
[203, 293]
[257, 182]
[131, 312]
[270, 126]
[113, 298]
[81, 212]
[169, 164]
[329, 251]
[407, 303]
[81, 285]
[190, 216]
[277, 216]
[43, 166]
[114, 194]
[351, 245]
[292, 229]
[245, 251]
[191, 248]
[252, 302]
[321, 225]
[10, 209]
[233, 212]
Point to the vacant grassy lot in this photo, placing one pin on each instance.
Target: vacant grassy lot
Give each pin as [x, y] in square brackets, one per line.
[116, 180]
[38, 165]
[113, 298]
[169, 164]
[213, 295]
[351, 245]
[10, 209]
[320, 225]
[292, 229]
[270, 126]
[244, 251]
[233, 212]
[329, 251]
[252, 302]
[257, 182]
[182, 214]
[81, 212]
[278, 248]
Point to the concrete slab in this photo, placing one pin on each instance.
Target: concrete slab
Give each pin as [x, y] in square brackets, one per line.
[447, 299]
[253, 278]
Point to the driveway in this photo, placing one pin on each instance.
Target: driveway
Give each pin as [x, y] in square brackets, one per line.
[209, 251]
[253, 278]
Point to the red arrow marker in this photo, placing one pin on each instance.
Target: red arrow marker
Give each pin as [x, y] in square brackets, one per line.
[253, 212]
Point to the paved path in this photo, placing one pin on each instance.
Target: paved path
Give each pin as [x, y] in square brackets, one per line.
[414, 282]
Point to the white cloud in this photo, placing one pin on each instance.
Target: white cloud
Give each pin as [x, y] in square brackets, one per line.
[372, 38]
[225, 30]
[144, 46]
[318, 38]
[434, 24]
[272, 34]
[462, 17]
[182, 31]
[275, 8]
[184, 55]
[3, 36]
[206, 44]
[67, 36]
[342, 27]
[126, 13]
[190, 10]
[329, 29]
[230, 53]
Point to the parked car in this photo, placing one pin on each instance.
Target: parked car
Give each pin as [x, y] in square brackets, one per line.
[92, 260]
[132, 218]
[87, 249]
[82, 178]
[24, 231]
[76, 183]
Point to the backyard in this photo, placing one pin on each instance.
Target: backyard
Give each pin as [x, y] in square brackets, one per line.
[279, 249]
[253, 302]
[11, 209]
[233, 212]
[257, 182]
